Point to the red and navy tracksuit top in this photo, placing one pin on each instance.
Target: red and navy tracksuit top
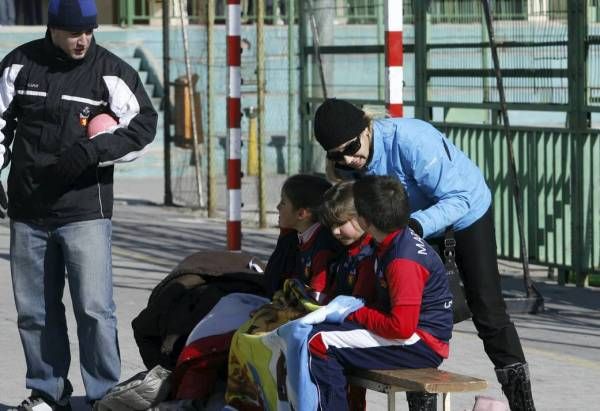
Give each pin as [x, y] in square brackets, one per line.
[412, 291]
[307, 260]
[352, 273]
[314, 255]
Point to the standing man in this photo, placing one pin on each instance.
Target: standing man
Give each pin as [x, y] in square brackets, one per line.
[60, 191]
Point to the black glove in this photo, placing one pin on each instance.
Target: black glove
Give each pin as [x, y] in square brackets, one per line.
[3, 202]
[73, 162]
[416, 226]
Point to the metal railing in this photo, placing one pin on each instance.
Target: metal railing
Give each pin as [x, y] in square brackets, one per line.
[142, 11]
[548, 57]
[358, 11]
[558, 193]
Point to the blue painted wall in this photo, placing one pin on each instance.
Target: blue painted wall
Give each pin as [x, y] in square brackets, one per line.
[353, 76]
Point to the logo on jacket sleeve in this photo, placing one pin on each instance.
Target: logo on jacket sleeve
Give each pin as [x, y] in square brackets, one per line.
[351, 278]
[383, 282]
[83, 116]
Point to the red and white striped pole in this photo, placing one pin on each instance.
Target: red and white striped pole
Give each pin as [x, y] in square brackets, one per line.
[394, 79]
[234, 116]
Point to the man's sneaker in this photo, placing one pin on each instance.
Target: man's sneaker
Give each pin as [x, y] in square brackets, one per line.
[37, 403]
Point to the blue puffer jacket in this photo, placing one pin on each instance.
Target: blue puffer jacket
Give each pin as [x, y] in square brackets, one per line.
[445, 188]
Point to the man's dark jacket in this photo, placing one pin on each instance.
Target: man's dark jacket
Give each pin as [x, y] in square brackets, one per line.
[46, 102]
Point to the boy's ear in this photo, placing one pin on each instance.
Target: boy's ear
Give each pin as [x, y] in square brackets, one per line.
[304, 214]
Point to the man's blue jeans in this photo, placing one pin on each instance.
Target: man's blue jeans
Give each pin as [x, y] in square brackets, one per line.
[38, 258]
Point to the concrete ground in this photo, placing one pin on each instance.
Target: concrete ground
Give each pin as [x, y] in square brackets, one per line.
[562, 344]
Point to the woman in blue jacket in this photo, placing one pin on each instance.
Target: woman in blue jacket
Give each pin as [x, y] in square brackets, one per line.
[445, 190]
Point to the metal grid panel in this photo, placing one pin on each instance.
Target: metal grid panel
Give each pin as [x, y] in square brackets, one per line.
[544, 164]
[532, 52]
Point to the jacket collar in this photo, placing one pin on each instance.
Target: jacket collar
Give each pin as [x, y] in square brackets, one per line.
[306, 238]
[357, 246]
[387, 242]
[377, 145]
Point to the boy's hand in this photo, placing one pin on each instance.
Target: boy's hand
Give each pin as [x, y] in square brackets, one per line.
[342, 306]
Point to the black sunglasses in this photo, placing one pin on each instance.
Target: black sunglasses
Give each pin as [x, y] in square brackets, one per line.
[349, 150]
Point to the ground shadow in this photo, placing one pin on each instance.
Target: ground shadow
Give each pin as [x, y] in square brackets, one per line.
[78, 403]
[554, 294]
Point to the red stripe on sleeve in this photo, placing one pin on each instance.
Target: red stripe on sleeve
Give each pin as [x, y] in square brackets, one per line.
[406, 281]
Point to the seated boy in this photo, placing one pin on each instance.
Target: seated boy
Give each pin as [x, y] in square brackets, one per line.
[410, 323]
[304, 251]
[351, 272]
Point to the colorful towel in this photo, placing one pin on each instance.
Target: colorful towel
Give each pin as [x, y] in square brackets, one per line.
[268, 359]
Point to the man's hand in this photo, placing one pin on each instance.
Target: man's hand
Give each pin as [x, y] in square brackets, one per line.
[3, 202]
[73, 162]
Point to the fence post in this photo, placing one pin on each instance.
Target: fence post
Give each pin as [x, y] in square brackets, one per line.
[130, 12]
[394, 57]
[168, 194]
[578, 125]
[234, 113]
[210, 123]
[292, 108]
[421, 110]
[305, 111]
[381, 67]
[260, 79]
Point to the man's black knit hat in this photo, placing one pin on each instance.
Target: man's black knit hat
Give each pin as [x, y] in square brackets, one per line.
[72, 15]
[337, 122]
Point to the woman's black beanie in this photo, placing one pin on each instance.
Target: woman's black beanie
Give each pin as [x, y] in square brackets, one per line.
[337, 122]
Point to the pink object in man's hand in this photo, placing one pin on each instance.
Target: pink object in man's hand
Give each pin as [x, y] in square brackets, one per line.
[484, 403]
[100, 124]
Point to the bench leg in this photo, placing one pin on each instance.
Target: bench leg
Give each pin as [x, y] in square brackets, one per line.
[391, 400]
[446, 399]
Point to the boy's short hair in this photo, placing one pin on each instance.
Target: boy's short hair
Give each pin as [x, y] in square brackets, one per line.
[306, 191]
[382, 202]
[338, 205]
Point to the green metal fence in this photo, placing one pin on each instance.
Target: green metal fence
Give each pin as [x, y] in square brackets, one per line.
[549, 58]
[350, 11]
[363, 11]
[547, 173]
[549, 53]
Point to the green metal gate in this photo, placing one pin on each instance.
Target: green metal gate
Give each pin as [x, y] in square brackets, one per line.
[549, 57]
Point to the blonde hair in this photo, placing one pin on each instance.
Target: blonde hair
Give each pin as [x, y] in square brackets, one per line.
[338, 205]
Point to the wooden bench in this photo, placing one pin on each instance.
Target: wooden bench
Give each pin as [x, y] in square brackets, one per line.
[429, 380]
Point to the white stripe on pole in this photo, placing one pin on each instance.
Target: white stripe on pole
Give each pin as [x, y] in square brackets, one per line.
[235, 82]
[234, 20]
[395, 77]
[235, 212]
[235, 144]
[394, 15]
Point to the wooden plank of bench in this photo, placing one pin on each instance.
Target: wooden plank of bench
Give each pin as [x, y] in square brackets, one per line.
[423, 379]
[429, 380]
